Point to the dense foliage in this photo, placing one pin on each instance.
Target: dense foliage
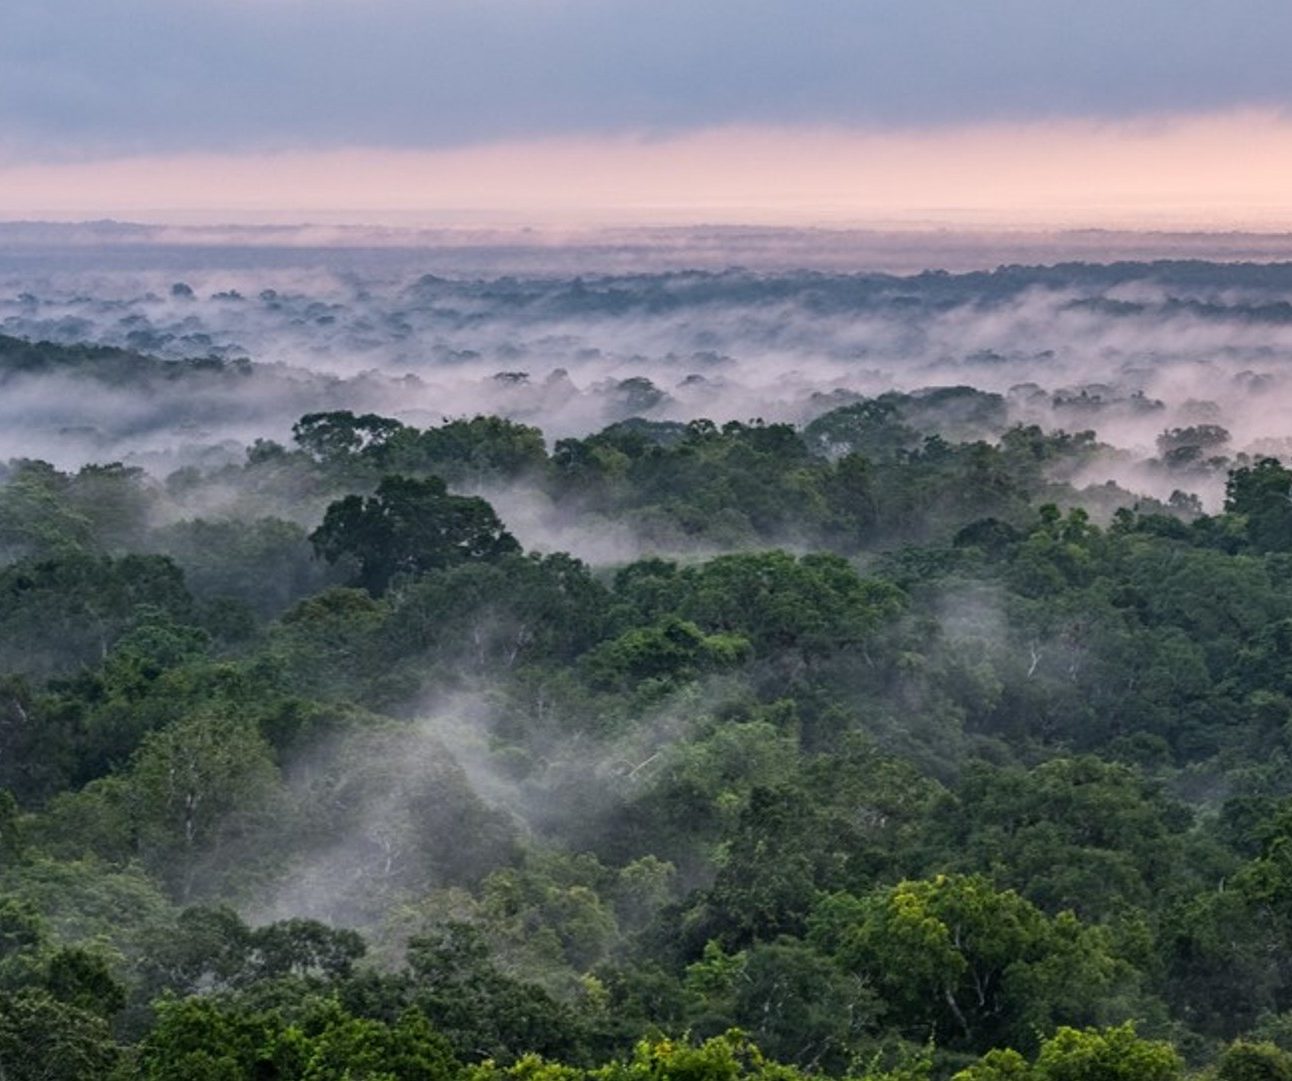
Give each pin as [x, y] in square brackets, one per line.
[884, 753]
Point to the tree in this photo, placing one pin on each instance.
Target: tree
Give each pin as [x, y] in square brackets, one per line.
[1112, 1054]
[981, 967]
[84, 980]
[499, 615]
[1072, 833]
[481, 447]
[672, 651]
[1245, 1061]
[873, 427]
[305, 947]
[202, 1039]
[22, 941]
[63, 612]
[409, 527]
[190, 783]
[1262, 494]
[769, 872]
[349, 1048]
[338, 436]
[816, 605]
[204, 948]
[43, 1039]
[482, 1012]
[797, 1005]
[1183, 446]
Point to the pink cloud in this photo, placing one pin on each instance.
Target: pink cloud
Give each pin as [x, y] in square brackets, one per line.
[1212, 171]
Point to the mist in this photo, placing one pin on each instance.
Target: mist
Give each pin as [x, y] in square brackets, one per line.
[249, 339]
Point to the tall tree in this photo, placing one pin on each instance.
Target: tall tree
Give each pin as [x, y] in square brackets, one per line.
[410, 526]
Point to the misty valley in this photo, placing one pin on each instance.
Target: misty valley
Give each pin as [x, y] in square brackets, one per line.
[734, 675]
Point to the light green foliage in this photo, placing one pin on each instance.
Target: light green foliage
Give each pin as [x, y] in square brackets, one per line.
[1111, 1054]
[341, 1048]
[1114, 1054]
[728, 1057]
[998, 1065]
[199, 1040]
[22, 938]
[814, 605]
[559, 895]
[34, 521]
[980, 966]
[104, 509]
[641, 889]
[213, 1041]
[670, 652]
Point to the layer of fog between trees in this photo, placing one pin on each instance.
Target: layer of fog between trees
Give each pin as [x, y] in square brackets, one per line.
[1129, 351]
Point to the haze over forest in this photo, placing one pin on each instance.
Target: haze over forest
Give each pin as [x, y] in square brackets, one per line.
[618, 540]
[1128, 351]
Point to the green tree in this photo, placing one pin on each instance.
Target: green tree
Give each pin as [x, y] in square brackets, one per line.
[482, 1012]
[202, 1039]
[1245, 1061]
[409, 527]
[83, 979]
[43, 1039]
[797, 1005]
[345, 1048]
[1262, 494]
[1112, 1054]
[979, 966]
[338, 436]
[193, 785]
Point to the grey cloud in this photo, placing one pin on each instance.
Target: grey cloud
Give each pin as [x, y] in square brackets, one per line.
[111, 76]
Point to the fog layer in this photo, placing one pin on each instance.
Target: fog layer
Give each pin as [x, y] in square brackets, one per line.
[245, 344]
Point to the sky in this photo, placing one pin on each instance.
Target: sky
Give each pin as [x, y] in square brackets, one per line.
[1061, 112]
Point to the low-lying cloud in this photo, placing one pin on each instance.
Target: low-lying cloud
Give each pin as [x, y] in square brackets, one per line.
[1127, 350]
